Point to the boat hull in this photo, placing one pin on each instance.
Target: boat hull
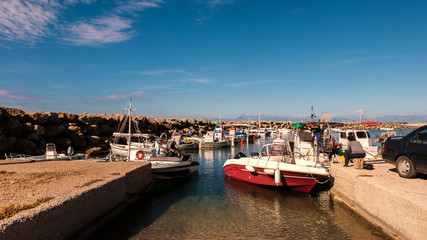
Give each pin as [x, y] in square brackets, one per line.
[165, 170]
[187, 146]
[302, 182]
[122, 150]
[213, 145]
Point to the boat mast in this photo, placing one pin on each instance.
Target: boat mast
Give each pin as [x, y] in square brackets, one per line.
[361, 111]
[130, 127]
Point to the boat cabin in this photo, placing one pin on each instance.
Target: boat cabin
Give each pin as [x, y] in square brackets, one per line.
[361, 136]
[214, 136]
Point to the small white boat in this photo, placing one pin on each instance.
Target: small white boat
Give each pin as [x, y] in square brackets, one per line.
[165, 167]
[50, 155]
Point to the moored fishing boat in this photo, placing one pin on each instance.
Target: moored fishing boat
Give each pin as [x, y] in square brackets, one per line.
[185, 143]
[123, 145]
[276, 165]
[215, 139]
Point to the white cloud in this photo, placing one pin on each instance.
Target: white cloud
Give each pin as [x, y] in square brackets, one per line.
[239, 84]
[98, 31]
[363, 59]
[72, 2]
[220, 2]
[197, 80]
[112, 27]
[27, 21]
[212, 7]
[137, 94]
[11, 94]
[137, 5]
[215, 3]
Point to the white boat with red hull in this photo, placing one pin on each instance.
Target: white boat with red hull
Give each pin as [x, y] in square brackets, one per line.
[276, 165]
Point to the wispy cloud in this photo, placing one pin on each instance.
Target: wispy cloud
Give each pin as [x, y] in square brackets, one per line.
[27, 21]
[137, 94]
[98, 31]
[157, 72]
[363, 59]
[212, 7]
[30, 21]
[196, 80]
[240, 84]
[72, 2]
[220, 2]
[134, 6]
[113, 27]
[12, 94]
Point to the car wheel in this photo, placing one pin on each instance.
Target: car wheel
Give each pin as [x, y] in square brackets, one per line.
[405, 167]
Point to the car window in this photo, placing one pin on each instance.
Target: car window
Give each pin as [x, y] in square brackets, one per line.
[361, 134]
[350, 134]
[422, 137]
[343, 136]
[414, 138]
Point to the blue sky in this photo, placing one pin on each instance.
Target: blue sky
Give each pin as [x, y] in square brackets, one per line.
[203, 59]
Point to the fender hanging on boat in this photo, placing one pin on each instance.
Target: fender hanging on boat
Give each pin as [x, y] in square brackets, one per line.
[277, 177]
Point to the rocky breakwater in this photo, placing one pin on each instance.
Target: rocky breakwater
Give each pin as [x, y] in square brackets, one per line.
[28, 132]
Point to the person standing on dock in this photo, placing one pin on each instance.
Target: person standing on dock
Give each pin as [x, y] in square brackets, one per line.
[354, 150]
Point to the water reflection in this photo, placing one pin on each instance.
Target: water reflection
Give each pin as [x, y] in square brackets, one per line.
[212, 206]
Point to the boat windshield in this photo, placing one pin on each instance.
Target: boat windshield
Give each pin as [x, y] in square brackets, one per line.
[274, 149]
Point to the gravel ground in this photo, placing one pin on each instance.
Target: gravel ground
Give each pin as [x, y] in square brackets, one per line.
[24, 183]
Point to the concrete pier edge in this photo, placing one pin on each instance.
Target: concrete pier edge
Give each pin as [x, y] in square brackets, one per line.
[79, 213]
[396, 205]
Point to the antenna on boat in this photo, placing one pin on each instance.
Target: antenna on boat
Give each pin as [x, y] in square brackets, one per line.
[361, 111]
[130, 127]
[312, 115]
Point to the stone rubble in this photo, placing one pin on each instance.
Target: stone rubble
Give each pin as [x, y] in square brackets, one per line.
[28, 132]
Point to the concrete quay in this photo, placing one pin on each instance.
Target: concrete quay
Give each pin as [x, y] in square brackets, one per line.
[395, 204]
[86, 195]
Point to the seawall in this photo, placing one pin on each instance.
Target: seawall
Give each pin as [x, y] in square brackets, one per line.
[397, 205]
[86, 195]
[28, 132]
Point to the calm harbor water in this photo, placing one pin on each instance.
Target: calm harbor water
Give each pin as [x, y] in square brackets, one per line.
[211, 206]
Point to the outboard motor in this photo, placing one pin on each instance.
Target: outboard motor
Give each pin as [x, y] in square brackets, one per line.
[70, 151]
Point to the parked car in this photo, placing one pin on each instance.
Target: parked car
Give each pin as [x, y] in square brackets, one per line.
[408, 153]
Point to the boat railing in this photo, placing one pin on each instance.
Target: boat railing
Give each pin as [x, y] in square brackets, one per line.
[17, 156]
